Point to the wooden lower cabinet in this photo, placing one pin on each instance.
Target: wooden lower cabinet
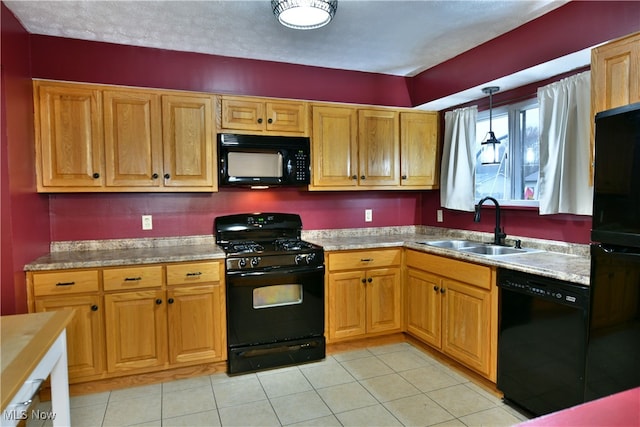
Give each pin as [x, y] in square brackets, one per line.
[136, 326]
[363, 301]
[85, 333]
[452, 306]
[137, 319]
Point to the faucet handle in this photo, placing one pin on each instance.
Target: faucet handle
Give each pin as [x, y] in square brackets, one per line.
[518, 244]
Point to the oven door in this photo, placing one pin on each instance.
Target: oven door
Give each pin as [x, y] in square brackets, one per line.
[274, 306]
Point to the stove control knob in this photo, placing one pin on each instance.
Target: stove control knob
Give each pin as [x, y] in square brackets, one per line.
[299, 259]
[242, 262]
[255, 261]
[310, 258]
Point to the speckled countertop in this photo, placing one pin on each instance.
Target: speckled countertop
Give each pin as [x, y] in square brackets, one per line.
[557, 260]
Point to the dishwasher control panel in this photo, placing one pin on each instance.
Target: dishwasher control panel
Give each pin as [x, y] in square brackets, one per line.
[544, 287]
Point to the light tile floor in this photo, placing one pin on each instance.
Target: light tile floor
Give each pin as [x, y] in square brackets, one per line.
[389, 385]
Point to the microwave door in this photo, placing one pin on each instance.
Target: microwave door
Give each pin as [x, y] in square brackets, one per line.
[258, 167]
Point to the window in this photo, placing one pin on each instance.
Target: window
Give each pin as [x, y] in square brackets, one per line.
[514, 181]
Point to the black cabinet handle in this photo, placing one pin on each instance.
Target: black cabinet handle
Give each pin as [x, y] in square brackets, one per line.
[65, 283]
[96, 175]
[364, 280]
[369, 280]
[167, 176]
[197, 273]
[132, 279]
[363, 177]
[158, 301]
[94, 308]
[404, 176]
[354, 177]
[154, 176]
[442, 290]
[435, 288]
[260, 121]
[270, 121]
[170, 300]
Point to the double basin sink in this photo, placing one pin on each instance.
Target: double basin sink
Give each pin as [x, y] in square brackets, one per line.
[478, 248]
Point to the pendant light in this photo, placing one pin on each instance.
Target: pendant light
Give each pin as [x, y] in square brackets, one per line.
[489, 150]
[304, 14]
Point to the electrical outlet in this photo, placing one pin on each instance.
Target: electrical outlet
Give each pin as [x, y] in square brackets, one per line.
[147, 222]
[368, 215]
[439, 215]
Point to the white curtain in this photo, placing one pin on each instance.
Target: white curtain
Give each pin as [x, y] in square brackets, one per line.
[565, 123]
[457, 188]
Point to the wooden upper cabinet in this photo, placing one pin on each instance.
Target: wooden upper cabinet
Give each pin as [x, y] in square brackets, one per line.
[419, 150]
[615, 77]
[334, 147]
[69, 136]
[133, 138]
[187, 123]
[92, 138]
[379, 147]
[258, 115]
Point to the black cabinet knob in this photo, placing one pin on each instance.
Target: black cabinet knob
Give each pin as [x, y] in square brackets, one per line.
[270, 121]
[435, 288]
[369, 280]
[259, 120]
[158, 301]
[363, 177]
[96, 175]
[167, 176]
[94, 308]
[354, 177]
[442, 290]
[170, 300]
[154, 176]
[404, 176]
[364, 280]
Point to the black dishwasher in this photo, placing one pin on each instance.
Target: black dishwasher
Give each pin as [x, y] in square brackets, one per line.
[542, 340]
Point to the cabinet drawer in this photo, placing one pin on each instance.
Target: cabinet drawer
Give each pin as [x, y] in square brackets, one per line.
[132, 278]
[467, 272]
[180, 274]
[65, 282]
[363, 259]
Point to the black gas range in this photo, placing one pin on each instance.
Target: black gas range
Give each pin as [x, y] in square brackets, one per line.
[275, 291]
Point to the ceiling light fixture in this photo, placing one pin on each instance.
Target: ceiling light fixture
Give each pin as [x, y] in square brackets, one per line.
[490, 154]
[304, 14]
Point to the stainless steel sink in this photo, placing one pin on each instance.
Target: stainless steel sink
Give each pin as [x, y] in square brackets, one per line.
[492, 250]
[477, 248]
[451, 244]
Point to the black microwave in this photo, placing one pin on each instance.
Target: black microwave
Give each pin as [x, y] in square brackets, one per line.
[263, 161]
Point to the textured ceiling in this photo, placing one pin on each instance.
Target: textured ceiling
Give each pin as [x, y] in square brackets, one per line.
[391, 37]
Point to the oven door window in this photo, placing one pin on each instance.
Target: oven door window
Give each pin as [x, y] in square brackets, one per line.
[255, 164]
[277, 296]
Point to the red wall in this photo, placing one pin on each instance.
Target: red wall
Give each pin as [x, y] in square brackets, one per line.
[109, 216]
[25, 214]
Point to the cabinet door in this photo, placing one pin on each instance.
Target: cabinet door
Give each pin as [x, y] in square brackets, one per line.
[467, 325]
[136, 325]
[334, 147]
[287, 117]
[242, 114]
[69, 136]
[615, 71]
[347, 309]
[196, 324]
[133, 138]
[419, 150]
[383, 300]
[378, 147]
[424, 306]
[85, 336]
[187, 123]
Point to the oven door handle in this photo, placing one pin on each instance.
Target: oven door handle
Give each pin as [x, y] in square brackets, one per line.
[275, 270]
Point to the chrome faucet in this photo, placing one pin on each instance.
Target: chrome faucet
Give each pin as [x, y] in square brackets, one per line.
[498, 234]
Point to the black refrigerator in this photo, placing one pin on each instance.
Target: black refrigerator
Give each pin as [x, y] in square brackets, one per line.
[613, 349]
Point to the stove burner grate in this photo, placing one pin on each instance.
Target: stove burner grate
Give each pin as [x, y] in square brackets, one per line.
[245, 246]
[291, 244]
